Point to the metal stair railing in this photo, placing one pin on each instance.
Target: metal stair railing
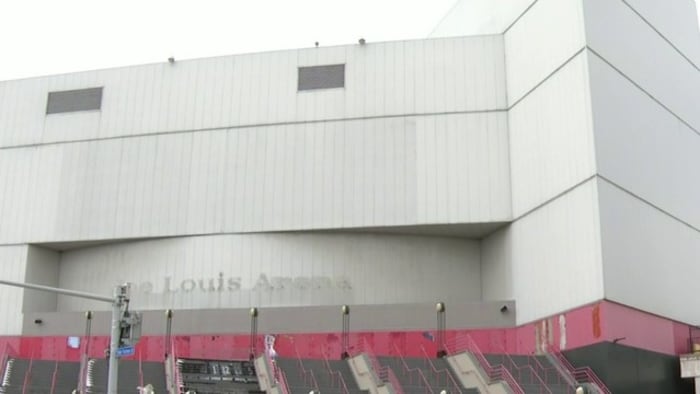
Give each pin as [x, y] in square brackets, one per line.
[306, 375]
[335, 376]
[581, 374]
[414, 371]
[27, 374]
[535, 378]
[385, 374]
[175, 368]
[494, 373]
[451, 385]
[53, 378]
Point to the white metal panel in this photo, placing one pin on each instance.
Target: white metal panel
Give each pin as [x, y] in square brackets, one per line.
[360, 173]
[676, 20]
[12, 267]
[622, 38]
[42, 269]
[376, 268]
[477, 17]
[551, 138]
[393, 78]
[555, 256]
[643, 148]
[650, 259]
[541, 41]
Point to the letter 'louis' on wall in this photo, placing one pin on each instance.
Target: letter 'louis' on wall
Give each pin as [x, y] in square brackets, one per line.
[262, 283]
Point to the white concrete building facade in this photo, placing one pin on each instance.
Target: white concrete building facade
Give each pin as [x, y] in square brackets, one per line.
[550, 158]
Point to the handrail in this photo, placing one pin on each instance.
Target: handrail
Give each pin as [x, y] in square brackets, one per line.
[140, 369]
[385, 374]
[408, 370]
[280, 378]
[82, 375]
[581, 374]
[535, 378]
[499, 372]
[176, 371]
[451, 384]
[332, 374]
[389, 376]
[5, 358]
[53, 378]
[307, 375]
[28, 373]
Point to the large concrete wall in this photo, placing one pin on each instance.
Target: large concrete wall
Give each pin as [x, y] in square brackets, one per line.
[548, 258]
[645, 89]
[361, 173]
[381, 79]
[13, 261]
[240, 271]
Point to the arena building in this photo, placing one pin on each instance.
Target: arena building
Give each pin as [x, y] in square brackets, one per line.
[535, 165]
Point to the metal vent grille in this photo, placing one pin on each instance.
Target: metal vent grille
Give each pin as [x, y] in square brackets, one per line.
[322, 77]
[74, 100]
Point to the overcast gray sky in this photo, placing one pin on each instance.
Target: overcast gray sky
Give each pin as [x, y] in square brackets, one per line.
[41, 37]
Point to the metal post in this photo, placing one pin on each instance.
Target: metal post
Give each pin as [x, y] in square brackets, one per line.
[253, 333]
[441, 351]
[120, 299]
[345, 335]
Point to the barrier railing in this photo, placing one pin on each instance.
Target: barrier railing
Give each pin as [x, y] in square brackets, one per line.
[422, 381]
[53, 378]
[140, 369]
[280, 378]
[494, 373]
[385, 374]
[336, 377]
[526, 370]
[82, 375]
[27, 374]
[581, 374]
[7, 352]
[449, 383]
[307, 376]
[177, 377]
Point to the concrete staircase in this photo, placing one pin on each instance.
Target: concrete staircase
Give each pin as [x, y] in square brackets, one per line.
[534, 374]
[417, 374]
[327, 377]
[129, 380]
[40, 377]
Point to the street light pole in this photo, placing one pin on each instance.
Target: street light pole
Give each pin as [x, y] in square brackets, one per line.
[119, 302]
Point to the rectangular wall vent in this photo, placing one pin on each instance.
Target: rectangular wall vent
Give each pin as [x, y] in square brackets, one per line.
[74, 100]
[322, 77]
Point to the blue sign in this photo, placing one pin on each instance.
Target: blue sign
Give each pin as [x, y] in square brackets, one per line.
[125, 351]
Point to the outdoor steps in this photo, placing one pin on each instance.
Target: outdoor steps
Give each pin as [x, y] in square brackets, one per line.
[128, 376]
[41, 376]
[326, 384]
[523, 368]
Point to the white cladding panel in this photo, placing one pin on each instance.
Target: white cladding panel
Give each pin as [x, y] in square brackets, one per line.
[551, 138]
[676, 20]
[42, 269]
[475, 17]
[552, 256]
[327, 269]
[394, 78]
[12, 268]
[624, 40]
[650, 259]
[642, 147]
[369, 172]
[541, 41]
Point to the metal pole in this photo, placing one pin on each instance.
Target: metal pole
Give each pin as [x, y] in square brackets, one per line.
[114, 346]
[56, 290]
[121, 298]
